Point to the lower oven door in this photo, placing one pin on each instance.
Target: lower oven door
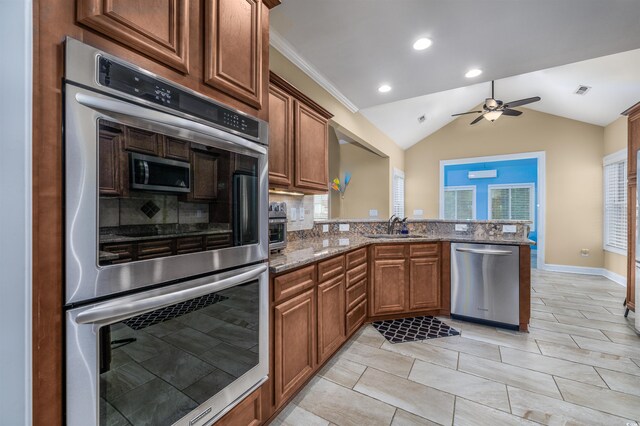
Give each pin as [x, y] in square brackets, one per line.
[183, 354]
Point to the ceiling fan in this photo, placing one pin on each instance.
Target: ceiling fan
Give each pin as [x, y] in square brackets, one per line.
[494, 108]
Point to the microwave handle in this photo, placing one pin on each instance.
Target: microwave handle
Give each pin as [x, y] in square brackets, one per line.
[146, 172]
[132, 110]
[113, 312]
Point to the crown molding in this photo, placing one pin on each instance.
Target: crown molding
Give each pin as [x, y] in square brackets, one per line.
[283, 46]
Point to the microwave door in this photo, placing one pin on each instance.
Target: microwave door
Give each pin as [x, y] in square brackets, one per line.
[245, 212]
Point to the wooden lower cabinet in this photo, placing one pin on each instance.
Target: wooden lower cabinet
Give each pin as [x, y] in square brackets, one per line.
[294, 344]
[247, 413]
[388, 286]
[331, 317]
[424, 283]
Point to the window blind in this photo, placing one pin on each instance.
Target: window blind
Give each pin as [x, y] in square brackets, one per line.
[398, 193]
[512, 202]
[615, 205]
[459, 203]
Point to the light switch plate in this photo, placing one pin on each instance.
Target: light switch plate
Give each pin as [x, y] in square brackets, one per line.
[343, 241]
[301, 214]
[509, 229]
[325, 243]
[418, 212]
[461, 227]
[325, 228]
[373, 213]
[293, 216]
[344, 227]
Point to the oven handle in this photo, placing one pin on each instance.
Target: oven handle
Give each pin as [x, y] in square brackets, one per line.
[126, 108]
[117, 311]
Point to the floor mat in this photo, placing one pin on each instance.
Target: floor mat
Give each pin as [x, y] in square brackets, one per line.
[412, 329]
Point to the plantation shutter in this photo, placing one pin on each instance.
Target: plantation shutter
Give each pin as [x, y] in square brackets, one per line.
[398, 193]
[615, 202]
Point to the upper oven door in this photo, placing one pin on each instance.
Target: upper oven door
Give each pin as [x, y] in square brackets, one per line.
[121, 235]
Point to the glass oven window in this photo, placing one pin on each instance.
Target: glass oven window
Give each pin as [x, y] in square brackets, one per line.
[157, 367]
[161, 196]
[276, 232]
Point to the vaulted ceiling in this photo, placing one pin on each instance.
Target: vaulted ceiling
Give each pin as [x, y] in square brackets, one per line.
[540, 48]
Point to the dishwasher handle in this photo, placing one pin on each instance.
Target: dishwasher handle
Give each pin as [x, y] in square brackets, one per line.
[485, 251]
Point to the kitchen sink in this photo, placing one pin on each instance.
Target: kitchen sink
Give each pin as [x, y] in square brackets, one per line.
[394, 236]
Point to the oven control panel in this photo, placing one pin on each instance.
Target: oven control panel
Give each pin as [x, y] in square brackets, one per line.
[127, 80]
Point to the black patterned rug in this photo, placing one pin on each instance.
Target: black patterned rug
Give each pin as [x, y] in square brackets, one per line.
[412, 329]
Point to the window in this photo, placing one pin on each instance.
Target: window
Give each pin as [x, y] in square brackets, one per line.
[615, 202]
[321, 207]
[398, 193]
[460, 202]
[512, 202]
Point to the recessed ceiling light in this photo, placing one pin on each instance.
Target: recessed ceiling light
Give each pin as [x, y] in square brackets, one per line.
[384, 88]
[473, 73]
[422, 43]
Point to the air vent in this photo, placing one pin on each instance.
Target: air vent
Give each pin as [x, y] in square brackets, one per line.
[582, 90]
[422, 118]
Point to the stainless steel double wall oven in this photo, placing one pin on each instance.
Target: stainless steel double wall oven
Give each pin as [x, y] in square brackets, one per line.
[166, 248]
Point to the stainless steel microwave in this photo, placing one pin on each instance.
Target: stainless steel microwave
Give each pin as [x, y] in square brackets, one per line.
[151, 173]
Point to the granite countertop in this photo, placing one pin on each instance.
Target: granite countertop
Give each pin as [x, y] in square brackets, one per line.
[114, 238]
[302, 252]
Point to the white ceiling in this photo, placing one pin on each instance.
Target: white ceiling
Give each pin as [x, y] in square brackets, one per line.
[353, 46]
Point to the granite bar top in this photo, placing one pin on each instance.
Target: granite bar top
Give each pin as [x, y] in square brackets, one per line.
[303, 252]
[114, 238]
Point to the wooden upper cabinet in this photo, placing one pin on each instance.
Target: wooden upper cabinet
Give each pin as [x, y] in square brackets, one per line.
[157, 28]
[233, 48]
[424, 283]
[311, 149]
[109, 164]
[204, 176]
[280, 137]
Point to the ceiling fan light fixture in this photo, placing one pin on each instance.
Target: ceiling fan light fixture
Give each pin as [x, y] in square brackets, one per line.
[492, 115]
[422, 43]
[473, 73]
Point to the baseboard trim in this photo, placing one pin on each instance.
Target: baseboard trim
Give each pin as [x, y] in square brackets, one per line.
[583, 270]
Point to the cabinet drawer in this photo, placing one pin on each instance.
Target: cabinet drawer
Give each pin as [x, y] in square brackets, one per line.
[217, 241]
[356, 257]
[287, 285]
[189, 245]
[330, 268]
[246, 413]
[389, 252]
[176, 149]
[356, 274]
[356, 294]
[124, 252]
[142, 141]
[356, 317]
[153, 249]
[421, 250]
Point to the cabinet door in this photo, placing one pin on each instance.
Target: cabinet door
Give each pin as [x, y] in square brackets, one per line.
[294, 323]
[204, 176]
[388, 286]
[311, 149]
[142, 141]
[331, 317]
[157, 28]
[280, 137]
[424, 283]
[246, 413]
[233, 48]
[176, 149]
[109, 163]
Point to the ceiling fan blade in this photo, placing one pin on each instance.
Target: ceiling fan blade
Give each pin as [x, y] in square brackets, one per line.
[463, 113]
[522, 102]
[511, 112]
[477, 119]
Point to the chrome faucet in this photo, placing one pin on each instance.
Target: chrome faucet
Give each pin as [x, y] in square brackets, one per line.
[391, 224]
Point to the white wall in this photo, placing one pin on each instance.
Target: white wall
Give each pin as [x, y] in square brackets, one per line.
[16, 30]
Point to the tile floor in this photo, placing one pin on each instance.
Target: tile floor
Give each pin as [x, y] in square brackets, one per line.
[579, 365]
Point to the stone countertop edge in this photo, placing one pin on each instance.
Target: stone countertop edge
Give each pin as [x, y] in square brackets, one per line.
[282, 262]
[112, 238]
[411, 220]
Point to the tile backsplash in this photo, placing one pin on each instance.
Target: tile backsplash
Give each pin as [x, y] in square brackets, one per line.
[297, 203]
[129, 211]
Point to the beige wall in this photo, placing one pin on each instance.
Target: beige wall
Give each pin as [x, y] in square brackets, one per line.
[615, 139]
[354, 123]
[574, 152]
[334, 170]
[368, 176]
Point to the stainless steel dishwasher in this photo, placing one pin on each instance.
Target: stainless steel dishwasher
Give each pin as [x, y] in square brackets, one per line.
[485, 284]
